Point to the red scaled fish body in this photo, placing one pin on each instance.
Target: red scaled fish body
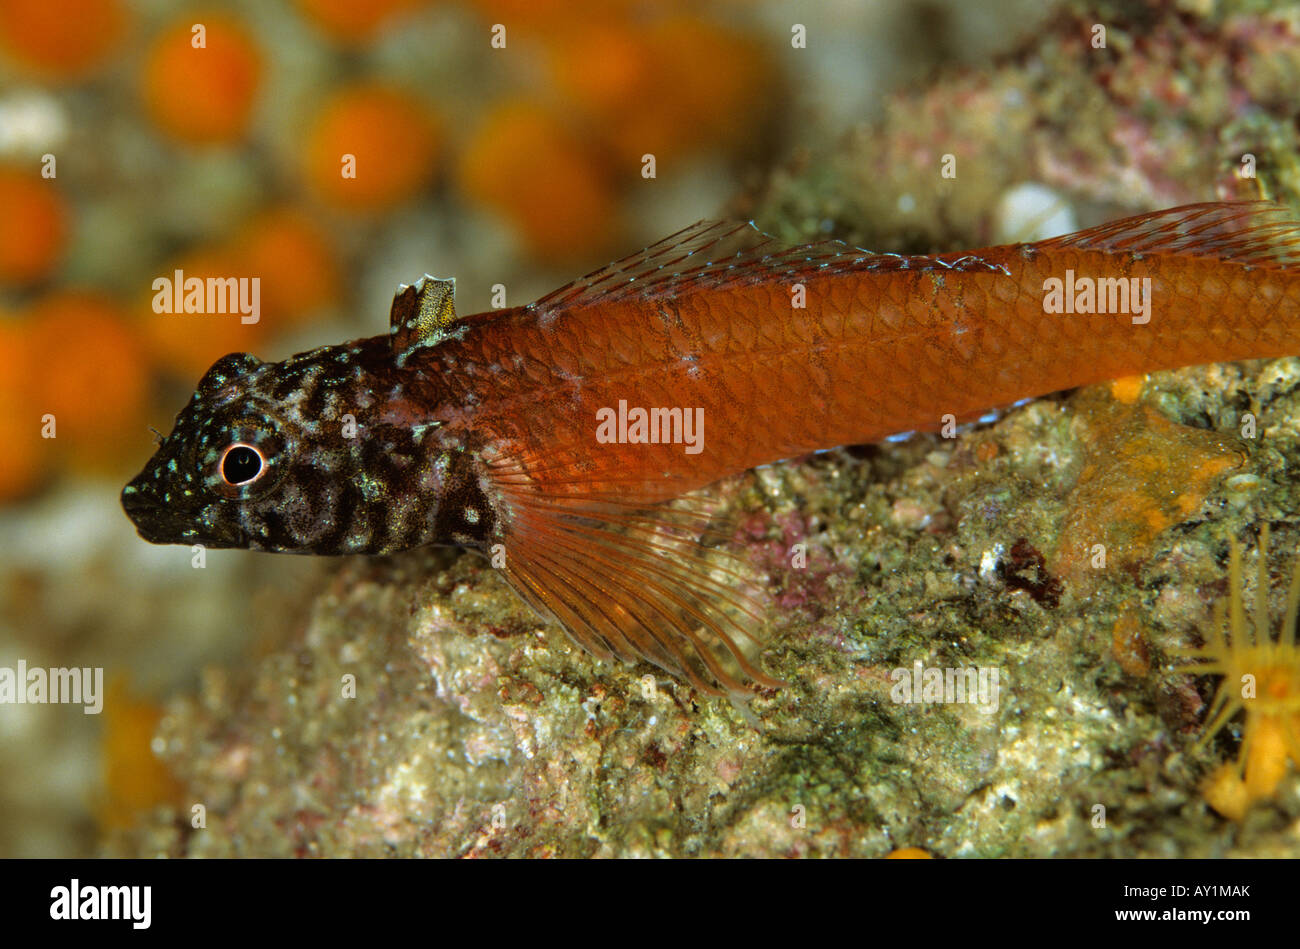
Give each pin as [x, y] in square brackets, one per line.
[555, 435]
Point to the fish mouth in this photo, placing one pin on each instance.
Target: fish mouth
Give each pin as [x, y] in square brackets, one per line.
[154, 521]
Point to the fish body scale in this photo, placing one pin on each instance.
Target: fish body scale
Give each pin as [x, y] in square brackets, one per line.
[867, 357]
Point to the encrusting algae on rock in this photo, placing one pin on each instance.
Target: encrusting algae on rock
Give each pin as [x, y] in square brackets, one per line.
[1261, 675]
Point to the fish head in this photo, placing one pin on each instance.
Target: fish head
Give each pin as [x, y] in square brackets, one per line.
[226, 457]
[262, 457]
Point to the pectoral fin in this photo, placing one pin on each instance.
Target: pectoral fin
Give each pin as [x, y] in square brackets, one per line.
[632, 582]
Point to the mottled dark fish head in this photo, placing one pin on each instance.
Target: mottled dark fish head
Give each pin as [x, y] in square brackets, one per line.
[227, 455]
[286, 456]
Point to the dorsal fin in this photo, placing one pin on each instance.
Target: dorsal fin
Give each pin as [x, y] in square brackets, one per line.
[423, 314]
[710, 255]
[1258, 233]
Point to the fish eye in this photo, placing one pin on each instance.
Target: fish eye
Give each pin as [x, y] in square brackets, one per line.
[241, 464]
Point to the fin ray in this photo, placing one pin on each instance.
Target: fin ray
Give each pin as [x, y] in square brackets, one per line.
[633, 582]
[1257, 233]
[712, 255]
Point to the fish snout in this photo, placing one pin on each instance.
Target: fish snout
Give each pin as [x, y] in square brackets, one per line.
[156, 520]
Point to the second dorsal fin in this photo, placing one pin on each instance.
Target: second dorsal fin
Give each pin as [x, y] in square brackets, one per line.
[1256, 233]
[423, 314]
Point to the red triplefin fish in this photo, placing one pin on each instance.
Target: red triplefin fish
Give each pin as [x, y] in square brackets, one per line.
[567, 439]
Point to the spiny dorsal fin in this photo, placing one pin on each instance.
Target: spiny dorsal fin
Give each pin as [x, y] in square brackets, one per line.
[1257, 233]
[710, 255]
[423, 314]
